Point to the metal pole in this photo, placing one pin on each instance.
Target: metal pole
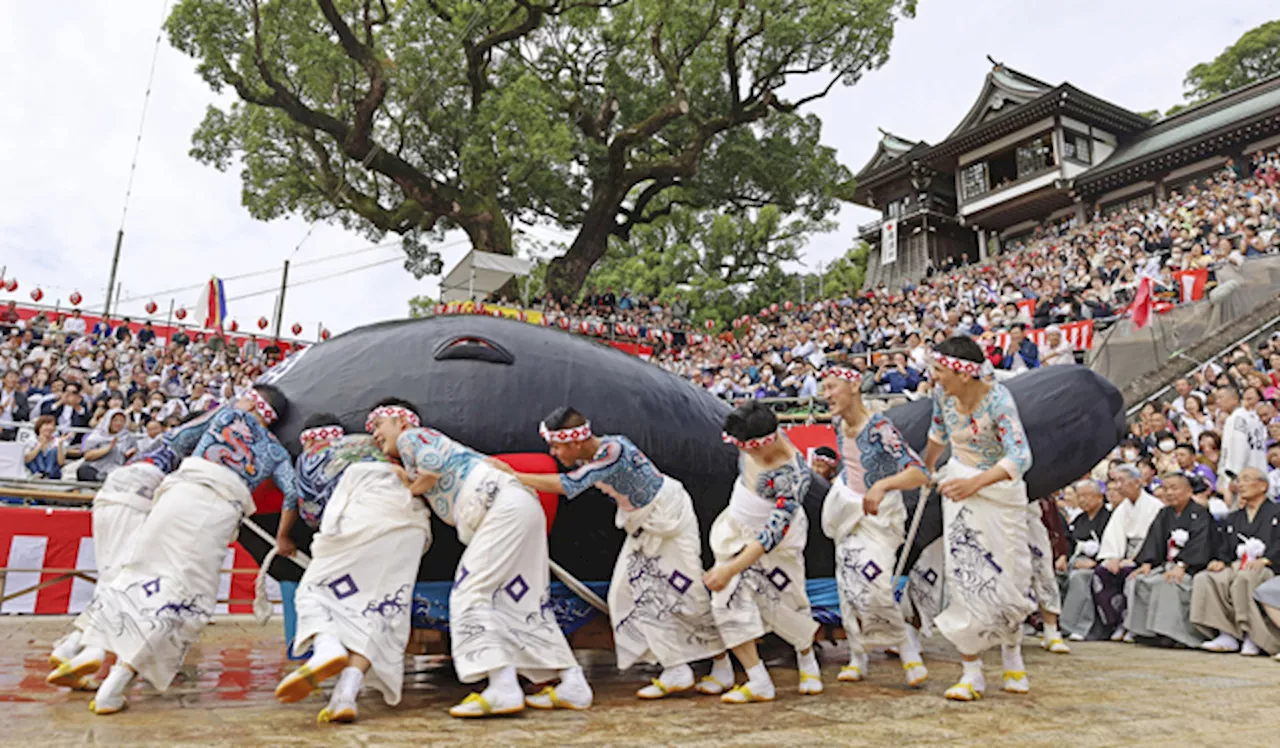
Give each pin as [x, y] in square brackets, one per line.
[115, 264]
[802, 277]
[119, 287]
[168, 321]
[284, 285]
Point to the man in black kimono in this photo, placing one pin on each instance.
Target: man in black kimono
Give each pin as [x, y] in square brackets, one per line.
[1180, 544]
[1222, 594]
[1076, 570]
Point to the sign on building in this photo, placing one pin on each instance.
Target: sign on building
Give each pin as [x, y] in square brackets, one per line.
[888, 242]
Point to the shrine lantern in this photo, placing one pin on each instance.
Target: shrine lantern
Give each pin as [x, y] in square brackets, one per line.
[324, 334]
[151, 307]
[297, 328]
[633, 331]
[441, 308]
[479, 307]
[37, 294]
[668, 337]
[584, 327]
[564, 323]
[234, 326]
[12, 285]
[181, 313]
[619, 329]
[787, 305]
[522, 316]
[75, 297]
[711, 324]
[497, 313]
[737, 323]
[262, 323]
[773, 307]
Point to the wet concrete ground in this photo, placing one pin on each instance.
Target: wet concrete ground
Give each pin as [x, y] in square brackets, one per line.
[1101, 695]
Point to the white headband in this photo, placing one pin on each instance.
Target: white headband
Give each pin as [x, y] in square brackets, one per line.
[263, 407]
[321, 434]
[958, 365]
[759, 441]
[391, 411]
[849, 375]
[565, 436]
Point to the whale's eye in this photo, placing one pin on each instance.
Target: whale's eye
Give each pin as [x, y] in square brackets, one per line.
[473, 348]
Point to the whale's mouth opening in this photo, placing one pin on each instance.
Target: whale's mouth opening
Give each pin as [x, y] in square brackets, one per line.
[473, 348]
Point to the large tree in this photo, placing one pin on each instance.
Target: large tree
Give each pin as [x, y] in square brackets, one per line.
[598, 116]
[1255, 56]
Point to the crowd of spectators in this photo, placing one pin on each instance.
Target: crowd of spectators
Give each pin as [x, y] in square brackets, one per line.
[95, 396]
[1068, 270]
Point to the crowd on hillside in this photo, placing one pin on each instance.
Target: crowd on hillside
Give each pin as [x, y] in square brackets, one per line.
[96, 396]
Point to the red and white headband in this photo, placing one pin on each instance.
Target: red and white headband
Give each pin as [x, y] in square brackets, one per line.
[321, 434]
[759, 441]
[565, 436]
[263, 407]
[405, 415]
[824, 459]
[840, 372]
[958, 365]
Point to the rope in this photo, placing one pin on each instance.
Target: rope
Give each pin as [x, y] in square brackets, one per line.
[146, 100]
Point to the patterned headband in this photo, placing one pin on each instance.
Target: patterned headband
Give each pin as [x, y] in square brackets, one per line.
[849, 375]
[405, 415]
[565, 436]
[958, 365]
[824, 459]
[321, 434]
[759, 441]
[263, 407]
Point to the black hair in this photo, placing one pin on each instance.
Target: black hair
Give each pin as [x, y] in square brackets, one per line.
[316, 420]
[396, 402]
[750, 421]
[827, 452]
[275, 398]
[564, 417]
[1184, 445]
[961, 347]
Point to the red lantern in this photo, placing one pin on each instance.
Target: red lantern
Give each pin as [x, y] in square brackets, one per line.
[497, 313]
[773, 307]
[584, 327]
[711, 324]
[37, 294]
[262, 323]
[619, 329]
[234, 326]
[181, 313]
[440, 308]
[522, 316]
[737, 323]
[297, 328]
[787, 305]
[668, 337]
[75, 298]
[12, 285]
[151, 307]
[544, 320]
[479, 307]
[324, 334]
[633, 331]
[564, 323]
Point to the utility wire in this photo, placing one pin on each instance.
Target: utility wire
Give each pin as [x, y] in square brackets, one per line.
[146, 100]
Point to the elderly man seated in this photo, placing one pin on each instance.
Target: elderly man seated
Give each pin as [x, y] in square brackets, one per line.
[1180, 544]
[1222, 595]
[1076, 571]
[1056, 349]
[1132, 512]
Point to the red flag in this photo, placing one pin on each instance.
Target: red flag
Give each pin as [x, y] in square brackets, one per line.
[1143, 303]
[1191, 284]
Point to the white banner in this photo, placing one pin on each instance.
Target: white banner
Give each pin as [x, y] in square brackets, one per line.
[888, 242]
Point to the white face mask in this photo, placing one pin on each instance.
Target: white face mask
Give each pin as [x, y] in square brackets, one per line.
[1166, 446]
[1130, 455]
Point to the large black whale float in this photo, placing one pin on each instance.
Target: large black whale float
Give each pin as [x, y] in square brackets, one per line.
[487, 382]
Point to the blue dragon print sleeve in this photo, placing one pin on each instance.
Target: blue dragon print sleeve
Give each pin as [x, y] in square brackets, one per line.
[425, 450]
[786, 486]
[237, 441]
[883, 452]
[178, 443]
[620, 470]
[1004, 413]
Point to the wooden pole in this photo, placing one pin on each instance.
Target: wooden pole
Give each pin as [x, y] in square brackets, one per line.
[284, 286]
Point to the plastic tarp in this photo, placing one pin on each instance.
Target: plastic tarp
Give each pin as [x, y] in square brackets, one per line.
[479, 274]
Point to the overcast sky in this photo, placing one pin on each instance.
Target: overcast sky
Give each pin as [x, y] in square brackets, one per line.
[76, 71]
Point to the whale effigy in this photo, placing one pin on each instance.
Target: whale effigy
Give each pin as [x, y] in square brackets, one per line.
[487, 382]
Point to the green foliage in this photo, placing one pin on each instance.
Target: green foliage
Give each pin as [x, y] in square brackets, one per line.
[420, 306]
[1254, 56]
[598, 116]
[847, 274]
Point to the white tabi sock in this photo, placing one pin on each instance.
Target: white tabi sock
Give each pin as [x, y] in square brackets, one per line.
[909, 649]
[807, 662]
[348, 685]
[110, 696]
[1012, 656]
[973, 675]
[324, 648]
[69, 646]
[677, 678]
[573, 687]
[722, 670]
[759, 682]
[1051, 632]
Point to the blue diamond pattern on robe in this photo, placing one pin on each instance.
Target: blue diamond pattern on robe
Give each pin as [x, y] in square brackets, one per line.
[930, 576]
[517, 588]
[680, 582]
[779, 578]
[465, 573]
[151, 587]
[871, 571]
[343, 587]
